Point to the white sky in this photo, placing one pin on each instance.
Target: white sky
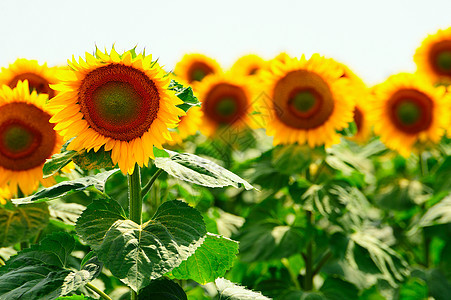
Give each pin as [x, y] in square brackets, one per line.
[375, 38]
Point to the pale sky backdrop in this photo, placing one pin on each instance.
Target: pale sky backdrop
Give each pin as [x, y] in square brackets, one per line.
[374, 38]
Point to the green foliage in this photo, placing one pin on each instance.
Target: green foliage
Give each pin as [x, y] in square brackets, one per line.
[139, 253]
[58, 161]
[65, 187]
[231, 291]
[19, 224]
[184, 93]
[42, 271]
[194, 169]
[210, 261]
[162, 289]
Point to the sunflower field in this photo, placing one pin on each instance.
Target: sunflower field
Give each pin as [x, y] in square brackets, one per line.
[286, 178]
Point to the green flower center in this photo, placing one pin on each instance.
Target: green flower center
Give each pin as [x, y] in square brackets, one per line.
[198, 74]
[226, 107]
[408, 112]
[17, 138]
[444, 60]
[303, 101]
[117, 102]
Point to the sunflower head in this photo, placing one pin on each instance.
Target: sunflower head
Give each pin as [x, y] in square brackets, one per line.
[194, 67]
[27, 138]
[227, 102]
[408, 112]
[248, 65]
[433, 57]
[39, 77]
[119, 102]
[308, 101]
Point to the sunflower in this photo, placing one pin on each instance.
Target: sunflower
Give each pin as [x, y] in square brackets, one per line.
[248, 65]
[194, 67]
[406, 110]
[27, 138]
[361, 109]
[226, 102]
[307, 101]
[39, 76]
[119, 102]
[5, 195]
[189, 124]
[433, 57]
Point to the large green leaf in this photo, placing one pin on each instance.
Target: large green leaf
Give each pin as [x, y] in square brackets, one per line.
[335, 288]
[198, 170]
[67, 213]
[231, 291]
[42, 272]
[139, 253]
[162, 289]
[22, 223]
[211, 260]
[61, 189]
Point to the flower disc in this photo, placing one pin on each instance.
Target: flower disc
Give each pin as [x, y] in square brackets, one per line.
[226, 102]
[303, 100]
[194, 67]
[39, 77]
[433, 57]
[406, 110]
[27, 138]
[308, 101]
[119, 101]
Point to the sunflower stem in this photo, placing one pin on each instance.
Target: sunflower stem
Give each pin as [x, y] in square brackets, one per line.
[154, 177]
[134, 205]
[99, 292]
[422, 164]
[308, 258]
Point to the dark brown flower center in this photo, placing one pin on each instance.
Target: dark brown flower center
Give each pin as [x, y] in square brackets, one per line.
[198, 70]
[225, 103]
[27, 138]
[35, 82]
[440, 57]
[119, 101]
[303, 100]
[410, 110]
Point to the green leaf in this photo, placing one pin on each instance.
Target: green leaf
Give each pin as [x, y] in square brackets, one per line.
[96, 220]
[335, 288]
[67, 213]
[195, 169]
[415, 288]
[231, 291]
[440, 213]
[22, 223]
[61, 189]
[185, 94]
[162, 289]
[75, 297]
[211, 260]
[291, 159]
[41, 272]
[139, 253]
[57, 162]
[372, 255]
[91, 160]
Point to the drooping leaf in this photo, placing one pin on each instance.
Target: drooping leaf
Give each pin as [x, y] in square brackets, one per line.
[22, 223]
[231, 291]
[162, 289]
[139, 253]
[57, 162]
[60, 189]
[195, 169]
[211, 260]
[68, 213]
[41, 271]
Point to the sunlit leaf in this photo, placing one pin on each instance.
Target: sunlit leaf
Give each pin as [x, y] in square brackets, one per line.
[231, 291]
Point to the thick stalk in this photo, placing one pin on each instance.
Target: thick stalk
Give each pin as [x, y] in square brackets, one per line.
[308, 258]
[134, 205]
[99, 292]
